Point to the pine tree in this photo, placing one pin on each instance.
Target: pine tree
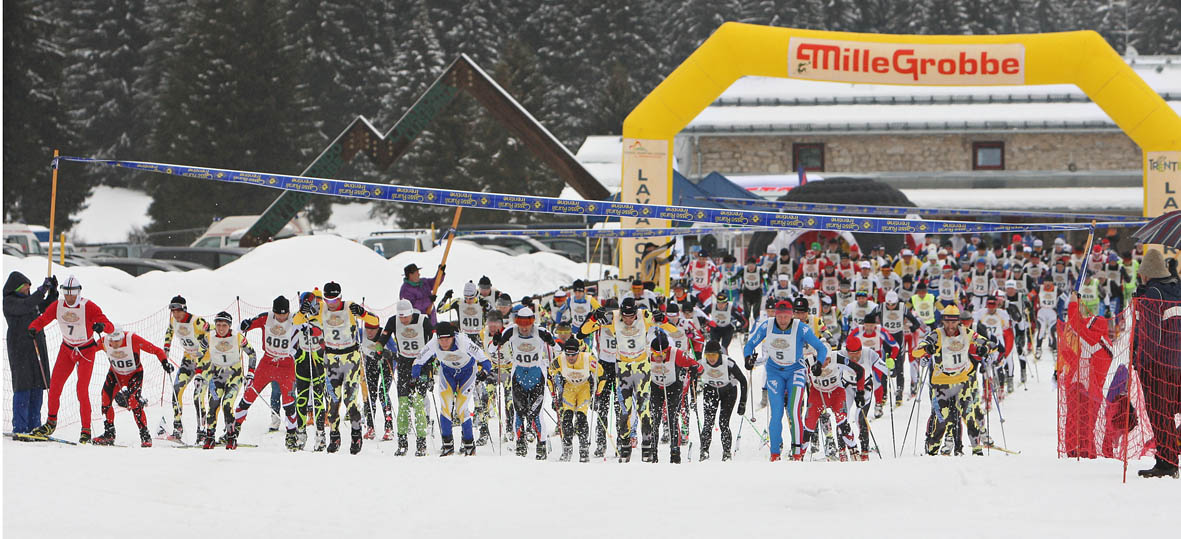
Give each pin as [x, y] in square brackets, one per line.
[231, 99]
[105, 64]
[946, 17]
[1157, 26]
[35, 120]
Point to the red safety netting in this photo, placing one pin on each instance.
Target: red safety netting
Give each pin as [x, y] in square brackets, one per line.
[1119, 383]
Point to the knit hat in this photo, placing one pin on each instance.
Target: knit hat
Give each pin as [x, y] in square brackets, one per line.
[1153, 266]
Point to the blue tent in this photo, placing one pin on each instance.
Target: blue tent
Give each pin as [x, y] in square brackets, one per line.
[720, 186]
[687, 193]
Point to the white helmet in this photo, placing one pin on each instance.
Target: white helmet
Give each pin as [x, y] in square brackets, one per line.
[891, 297]
[808, 283]
[71, 283]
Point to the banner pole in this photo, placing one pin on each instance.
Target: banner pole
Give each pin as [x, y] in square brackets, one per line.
[446, 253]
[1086, 259]
[52, 213]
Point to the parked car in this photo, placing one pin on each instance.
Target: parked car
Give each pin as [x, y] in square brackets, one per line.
[211, 258]
[11, 249]
[135, 250]
[134, 266]
[392, 242]
[519, 245]
[572, 248]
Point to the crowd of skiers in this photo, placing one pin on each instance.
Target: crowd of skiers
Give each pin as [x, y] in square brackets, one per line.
[835, 334]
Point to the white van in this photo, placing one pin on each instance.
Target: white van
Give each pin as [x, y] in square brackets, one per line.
[388, 243]
[24, 238]
[228, 231]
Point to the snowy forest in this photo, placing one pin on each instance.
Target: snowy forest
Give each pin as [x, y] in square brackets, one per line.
[264, 85]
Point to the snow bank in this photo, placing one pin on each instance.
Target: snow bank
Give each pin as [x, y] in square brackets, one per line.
[110, 215]
[301, 263]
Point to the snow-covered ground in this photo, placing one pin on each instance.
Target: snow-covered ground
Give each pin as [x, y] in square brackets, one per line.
[54, 490]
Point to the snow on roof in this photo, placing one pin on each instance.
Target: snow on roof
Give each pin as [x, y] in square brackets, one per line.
[1080, 199]
[904, 117]
[777, 104]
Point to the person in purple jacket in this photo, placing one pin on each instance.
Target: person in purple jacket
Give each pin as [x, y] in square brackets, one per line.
[419, 291]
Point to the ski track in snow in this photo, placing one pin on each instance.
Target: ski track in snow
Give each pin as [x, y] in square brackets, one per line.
[55, 490]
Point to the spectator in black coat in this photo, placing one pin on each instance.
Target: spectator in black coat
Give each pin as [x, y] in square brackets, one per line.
[1156, 351]
[29, 364]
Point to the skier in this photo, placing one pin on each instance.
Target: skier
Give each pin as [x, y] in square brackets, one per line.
[498, 384]
[996, 324]
[702, 273]
[723, 318]
[379, 375]
[277, 365]
[459, 358]
[831, 379]
[1017, 305]
[578, 306]
[873, 371]
[783, 290]
[631, 333]
[979, 284]
[224, 374]
[854, 313]
[531, 351]
[342, 361]
[666, 392]
[1049, 308]
[948, 287]
[687, 335]
[782, 339]
[953, 354]
[724, 385]
[579, 372]
[125, 381]
[310, 378]
[897, 321]
[192, 332]
[410, 331]
[77, 318]
[470, 310]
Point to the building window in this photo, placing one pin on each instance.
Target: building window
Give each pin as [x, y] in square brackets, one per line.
[988, 156]
[808, 155]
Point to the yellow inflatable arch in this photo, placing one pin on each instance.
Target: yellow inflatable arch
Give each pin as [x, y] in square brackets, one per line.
[735, 50]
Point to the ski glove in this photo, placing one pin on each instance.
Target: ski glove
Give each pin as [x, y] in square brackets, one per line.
[245, 325]
[98, 327]
[306, 307]
[742, 408]
[859, 399]
[249, 378]
[659, 317]
[816, 368]
[482, 376]
[168, 368]
[750, 360]
[448, 295]
[33, 333]
[357, 310]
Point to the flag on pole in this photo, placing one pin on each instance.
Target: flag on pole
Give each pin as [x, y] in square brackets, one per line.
[803, 175]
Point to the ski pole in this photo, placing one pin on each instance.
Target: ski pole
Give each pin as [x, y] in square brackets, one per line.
[893, 440]
[913, 410]
[869, 429]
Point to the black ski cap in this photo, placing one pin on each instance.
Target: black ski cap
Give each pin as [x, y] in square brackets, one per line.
[332, 290]
[445, 329]
[628, 307]
[281, 305]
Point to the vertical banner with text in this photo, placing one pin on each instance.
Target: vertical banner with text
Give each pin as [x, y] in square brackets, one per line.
[1162, 186]
[646, 179]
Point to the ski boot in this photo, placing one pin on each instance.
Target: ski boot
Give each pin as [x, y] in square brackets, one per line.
[334, 441]
[877, 410]
[209, 440]
[914, 389]
[584, 453]
[231, 436]
[726, 456]
[567, 452]
[45, 430]
[674, 455]
[625, 453]
[301, 437]
[320, 444]
[774, 457]
[664, 436]
[522, 449]
[292, 441]
[108, 435]
[389, 434]
[402, 446]
[541, 449]
[145, 437]
[646, 454]
[485, 436]
[468, 449]
[978, 451]
[600, 448]
[355, 447]
[704, 456]
[276, 424]
[420, 447]
[448, 448]
[178, 429]
[370, 433]
[1160, 469]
